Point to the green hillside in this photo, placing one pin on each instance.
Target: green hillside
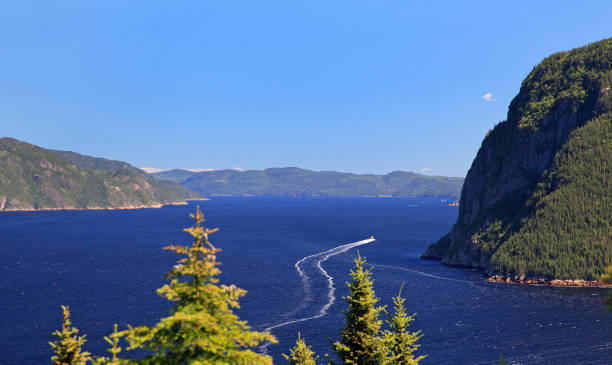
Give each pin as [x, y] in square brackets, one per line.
[35, 178]
[292, 181]
[168, 188]
[537, 201]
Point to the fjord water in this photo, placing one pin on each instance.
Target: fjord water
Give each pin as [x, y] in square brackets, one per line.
[106, 266]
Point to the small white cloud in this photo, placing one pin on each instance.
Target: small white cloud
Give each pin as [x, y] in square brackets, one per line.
[426, 169]
[152, 170]
[238, 169]
[200, 170]
[489, 97]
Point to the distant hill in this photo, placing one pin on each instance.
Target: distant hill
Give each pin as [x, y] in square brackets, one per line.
[537, 201]
[292, 181]
[36, 178]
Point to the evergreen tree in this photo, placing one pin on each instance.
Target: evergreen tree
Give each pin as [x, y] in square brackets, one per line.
[202, 328]
[360, 344]
[401, 343]
[301, 354]
[115, 349]
[68, 346]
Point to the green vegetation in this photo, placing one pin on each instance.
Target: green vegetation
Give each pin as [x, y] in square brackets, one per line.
[566, 230]
[92, 163]
[293, 181]
[401, 344]
[361, 343]
[68, 346]
[301, 354]
[538, 197]
[362, 340]
[167, 188]
[203, 329]
[35, 178]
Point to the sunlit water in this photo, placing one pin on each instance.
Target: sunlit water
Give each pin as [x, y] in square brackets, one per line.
[293, 255]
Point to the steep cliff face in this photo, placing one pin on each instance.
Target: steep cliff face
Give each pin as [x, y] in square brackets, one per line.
[35, 178]
[537, 199]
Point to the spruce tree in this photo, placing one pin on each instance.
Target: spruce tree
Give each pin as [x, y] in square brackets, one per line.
[360, 343]
[502, 360]
[401, 343]
[301, 354]
[68, 346]
[202, 328]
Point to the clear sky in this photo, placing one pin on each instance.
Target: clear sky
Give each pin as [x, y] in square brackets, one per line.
[355, 86]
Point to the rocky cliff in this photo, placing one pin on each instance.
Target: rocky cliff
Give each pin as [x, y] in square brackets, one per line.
[537, 200]
[33, 178]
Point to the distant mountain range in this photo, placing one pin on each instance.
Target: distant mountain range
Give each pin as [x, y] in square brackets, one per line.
[33, 178]
[292, 181]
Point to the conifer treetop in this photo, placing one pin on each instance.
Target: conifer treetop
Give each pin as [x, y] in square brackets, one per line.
[202, 328]
[360, 343]
[68, 346]
[301, 354]
[401, 343]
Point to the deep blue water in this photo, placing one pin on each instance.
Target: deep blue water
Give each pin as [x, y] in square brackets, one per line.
[106, 266]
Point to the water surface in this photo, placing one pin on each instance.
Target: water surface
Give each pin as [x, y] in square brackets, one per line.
[106, 266]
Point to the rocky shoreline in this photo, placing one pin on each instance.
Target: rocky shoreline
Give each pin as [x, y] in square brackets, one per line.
[547, 282]
[524, 280]
[129, 207]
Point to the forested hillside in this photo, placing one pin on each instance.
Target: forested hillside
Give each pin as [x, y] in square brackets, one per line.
[537, 201]
[35, 178]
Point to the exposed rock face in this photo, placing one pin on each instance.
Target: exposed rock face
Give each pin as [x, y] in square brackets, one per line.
[521, 162]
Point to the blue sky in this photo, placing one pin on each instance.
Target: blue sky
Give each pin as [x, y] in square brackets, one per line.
[356, 86]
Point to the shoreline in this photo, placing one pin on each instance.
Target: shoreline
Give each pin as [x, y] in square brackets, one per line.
[132, 207]
[524, 280]
[569, 283]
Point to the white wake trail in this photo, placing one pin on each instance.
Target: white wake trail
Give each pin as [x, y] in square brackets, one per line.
[401, 268]
[316, 260]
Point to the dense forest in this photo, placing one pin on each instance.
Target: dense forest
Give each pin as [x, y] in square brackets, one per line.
[537, 200]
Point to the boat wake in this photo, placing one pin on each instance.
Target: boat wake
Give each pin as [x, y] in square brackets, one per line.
[313, 263]
[401, 268]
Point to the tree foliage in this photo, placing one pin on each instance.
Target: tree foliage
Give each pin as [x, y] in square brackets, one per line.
[360, 343]
[363, 341]
[538, 196]
[36, 178]
[202, 327]
[68, 346]
[401, 343]
[301, 354]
